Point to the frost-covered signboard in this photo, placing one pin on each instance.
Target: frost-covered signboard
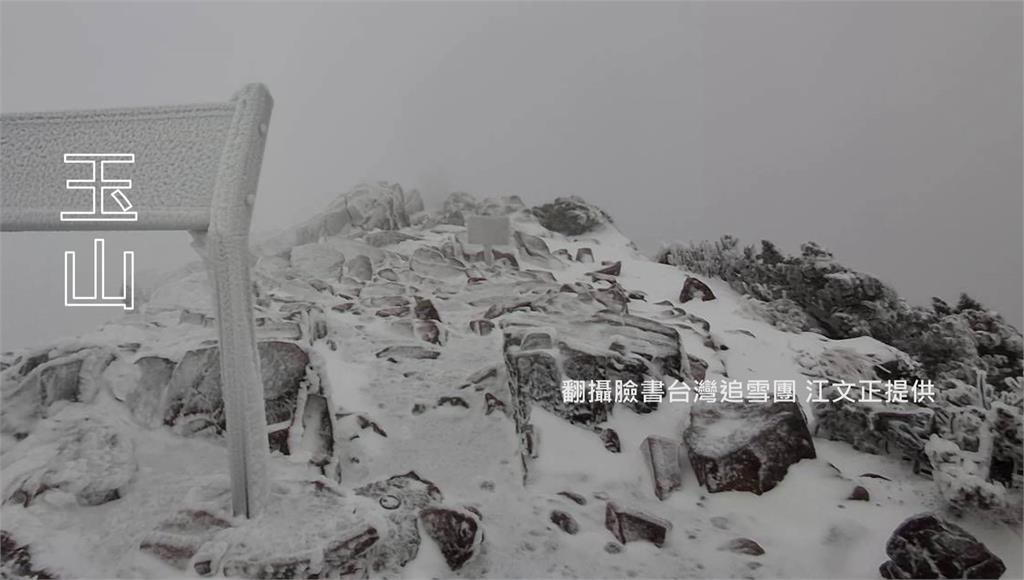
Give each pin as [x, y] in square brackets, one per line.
[487, 230]
[193, 167]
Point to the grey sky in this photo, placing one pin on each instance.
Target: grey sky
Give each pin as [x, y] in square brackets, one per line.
[889, 132]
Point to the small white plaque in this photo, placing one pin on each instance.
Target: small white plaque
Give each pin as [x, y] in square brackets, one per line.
[488, 230]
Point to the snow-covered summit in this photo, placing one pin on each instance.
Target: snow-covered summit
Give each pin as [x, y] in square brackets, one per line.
[427, 419]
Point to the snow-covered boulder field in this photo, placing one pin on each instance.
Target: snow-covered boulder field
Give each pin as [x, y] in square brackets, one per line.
[433, 413]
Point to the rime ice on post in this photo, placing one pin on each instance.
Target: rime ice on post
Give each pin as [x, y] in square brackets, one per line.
[196, 168]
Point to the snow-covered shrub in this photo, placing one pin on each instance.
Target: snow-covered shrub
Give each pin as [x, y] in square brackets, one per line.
[962, 477]
[971, 436]
[844, 303]
[948, 341]
[783, 314]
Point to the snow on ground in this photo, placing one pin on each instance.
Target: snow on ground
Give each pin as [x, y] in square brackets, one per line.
[805, 525]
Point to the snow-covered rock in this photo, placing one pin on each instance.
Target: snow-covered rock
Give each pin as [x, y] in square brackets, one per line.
[746, 446]
[664, 459]
[926, 546]
[404, 351]
[193, 401]
[571, 216]
[630, 525]
[85, 458]
[36, 383]
[457, 531]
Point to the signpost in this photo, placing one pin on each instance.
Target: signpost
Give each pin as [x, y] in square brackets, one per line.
[488, 230]
[192, 167]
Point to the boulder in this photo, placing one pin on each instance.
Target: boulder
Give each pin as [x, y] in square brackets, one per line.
[373, 206]
[925, 546]
[502, 205]
[632, 525]
[388, 274]
[194, 401]
[570, 216]
[691, 287]
[29, 390]
[742, 546]
[402, 497]
[317, 429]
[91, 461]
[425, 310]
[535, 250]
[698, 367]
[300, 543]
[432, 263]
[430, 331]
[457, 531]
[460, 204]
[144, 400]
[319, 260]
[564, 521]
[360, 268]
[746, 446]
[859, 493]
[664, 459]
[413, 491]
[457, 206]
[177, 538]
[368, 207]
[536, 340]
[535, 377]
[604, 346]
[585, 256]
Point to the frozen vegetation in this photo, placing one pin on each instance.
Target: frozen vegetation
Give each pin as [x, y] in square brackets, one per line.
[419, 427]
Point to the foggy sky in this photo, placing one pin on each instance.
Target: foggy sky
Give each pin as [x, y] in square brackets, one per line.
[888, 132]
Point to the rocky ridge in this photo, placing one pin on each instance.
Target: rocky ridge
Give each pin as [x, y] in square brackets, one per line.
[415, 406]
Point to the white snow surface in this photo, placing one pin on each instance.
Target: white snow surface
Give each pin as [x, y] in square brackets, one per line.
[805, 525]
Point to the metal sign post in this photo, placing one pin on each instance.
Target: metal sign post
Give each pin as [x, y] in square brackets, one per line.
[193, 167]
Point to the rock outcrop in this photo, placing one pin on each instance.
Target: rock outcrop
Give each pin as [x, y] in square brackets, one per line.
[628, 525]
[926, 546]
[91, 461]
[33, 384]
[664, 461]
[456, 531]
[570, 216]
[693, 287]
[194, 401]
[746, 446]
